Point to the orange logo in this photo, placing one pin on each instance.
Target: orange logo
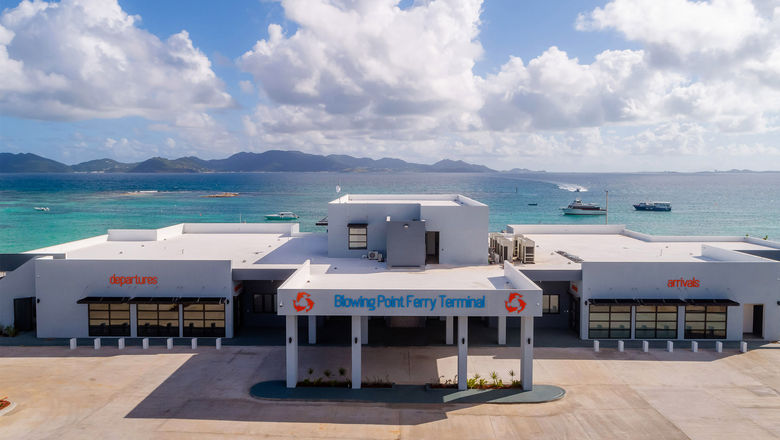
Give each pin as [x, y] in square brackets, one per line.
[303, 303]
[515, 303]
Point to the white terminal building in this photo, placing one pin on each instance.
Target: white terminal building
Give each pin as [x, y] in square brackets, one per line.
[396, 261]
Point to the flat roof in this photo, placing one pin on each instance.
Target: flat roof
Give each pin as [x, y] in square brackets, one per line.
[417, 199]
[357, 274]
[607, 245]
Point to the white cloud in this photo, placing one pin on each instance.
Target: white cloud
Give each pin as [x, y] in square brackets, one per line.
[82, 59]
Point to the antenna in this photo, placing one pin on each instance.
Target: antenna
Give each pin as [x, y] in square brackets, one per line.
[606, 217]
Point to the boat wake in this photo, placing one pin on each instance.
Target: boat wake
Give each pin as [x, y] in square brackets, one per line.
[571, 187]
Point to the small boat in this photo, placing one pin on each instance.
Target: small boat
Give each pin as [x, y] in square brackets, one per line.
[578, 208]
[41, 208]
[653, 206]
[533, 204]
[284, 215]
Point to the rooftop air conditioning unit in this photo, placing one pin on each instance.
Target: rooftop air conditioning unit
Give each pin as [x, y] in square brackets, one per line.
[374, 255]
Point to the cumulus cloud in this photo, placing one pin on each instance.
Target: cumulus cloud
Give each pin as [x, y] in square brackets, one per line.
[367, 64]
[81, 59]
[370, 72]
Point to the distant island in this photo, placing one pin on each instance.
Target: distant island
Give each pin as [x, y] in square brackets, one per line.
[268, 161]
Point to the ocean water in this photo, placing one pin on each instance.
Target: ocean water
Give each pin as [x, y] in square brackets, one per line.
[84, 205]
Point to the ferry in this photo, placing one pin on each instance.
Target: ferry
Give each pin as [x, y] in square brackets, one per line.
[653, 206]
[284, 215]
[578, 208]
[41, 208]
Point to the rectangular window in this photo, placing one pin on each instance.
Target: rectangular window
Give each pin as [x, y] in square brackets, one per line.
[109, 319]
[358, 236]
[656, 322]
[609, 322]
[158, 320]
[550, 304]
[207, 320]
[705, 322]
[264, 303]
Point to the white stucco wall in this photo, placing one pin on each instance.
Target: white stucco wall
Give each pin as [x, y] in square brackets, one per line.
[60, 283]
[743, 282]
[19, 283]
[463, 228]
[463, 232]
[373, 214]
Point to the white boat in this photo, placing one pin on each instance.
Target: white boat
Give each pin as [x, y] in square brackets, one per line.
[578, 208]
[41, 208]
[284, 215]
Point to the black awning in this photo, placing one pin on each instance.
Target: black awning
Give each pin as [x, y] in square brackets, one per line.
[711, 302]
[613, 301]
[662, 302]
[201, 300]
[357, 225]
[153, 300]
[103, 300]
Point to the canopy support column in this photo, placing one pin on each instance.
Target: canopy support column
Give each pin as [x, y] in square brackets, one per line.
[527, 349]
[502, 330]
[463, 348]
[356, 351]
[292, 350]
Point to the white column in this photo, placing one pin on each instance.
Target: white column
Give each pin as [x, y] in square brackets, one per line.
[292, 350]
[681, 322]
[448, 329]
[357, 374]
[527, 348]
[463, 349]
[312, 330]
[364, 330]
[502, 330]
[133, 321]
[181, 320]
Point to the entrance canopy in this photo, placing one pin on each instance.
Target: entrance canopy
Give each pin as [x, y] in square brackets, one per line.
[368, 289]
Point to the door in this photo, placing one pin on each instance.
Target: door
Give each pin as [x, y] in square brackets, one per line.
[431, 247]
[758, 320]
[24, 314]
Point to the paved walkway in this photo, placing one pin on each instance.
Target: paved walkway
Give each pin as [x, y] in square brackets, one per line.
[203, 394]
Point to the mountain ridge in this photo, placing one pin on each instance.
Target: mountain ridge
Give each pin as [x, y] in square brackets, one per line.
[267, 161]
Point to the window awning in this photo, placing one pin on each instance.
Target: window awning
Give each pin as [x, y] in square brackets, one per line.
[201, 300]
[613, 301]
[103, 300]
[711, 302]
[153, 300]
[662, 302]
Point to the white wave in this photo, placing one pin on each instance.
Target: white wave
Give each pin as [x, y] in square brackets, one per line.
[571, 187]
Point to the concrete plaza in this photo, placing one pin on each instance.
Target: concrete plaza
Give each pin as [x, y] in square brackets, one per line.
[203, 393]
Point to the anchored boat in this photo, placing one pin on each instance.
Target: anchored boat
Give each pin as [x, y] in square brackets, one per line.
[284, 215]
[653, 206]
[578, 208]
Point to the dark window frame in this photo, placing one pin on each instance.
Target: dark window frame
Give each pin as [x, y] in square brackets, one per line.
[645, 333]
[116, 312]
[357, 230]
[612, 333]
[268, 301]
[156, 329]
[546, 307]
[203, 313]
[709, 313]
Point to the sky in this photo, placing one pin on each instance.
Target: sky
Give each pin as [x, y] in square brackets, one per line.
[569, 85]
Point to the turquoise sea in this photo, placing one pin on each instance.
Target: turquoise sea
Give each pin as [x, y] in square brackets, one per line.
[83, 205]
